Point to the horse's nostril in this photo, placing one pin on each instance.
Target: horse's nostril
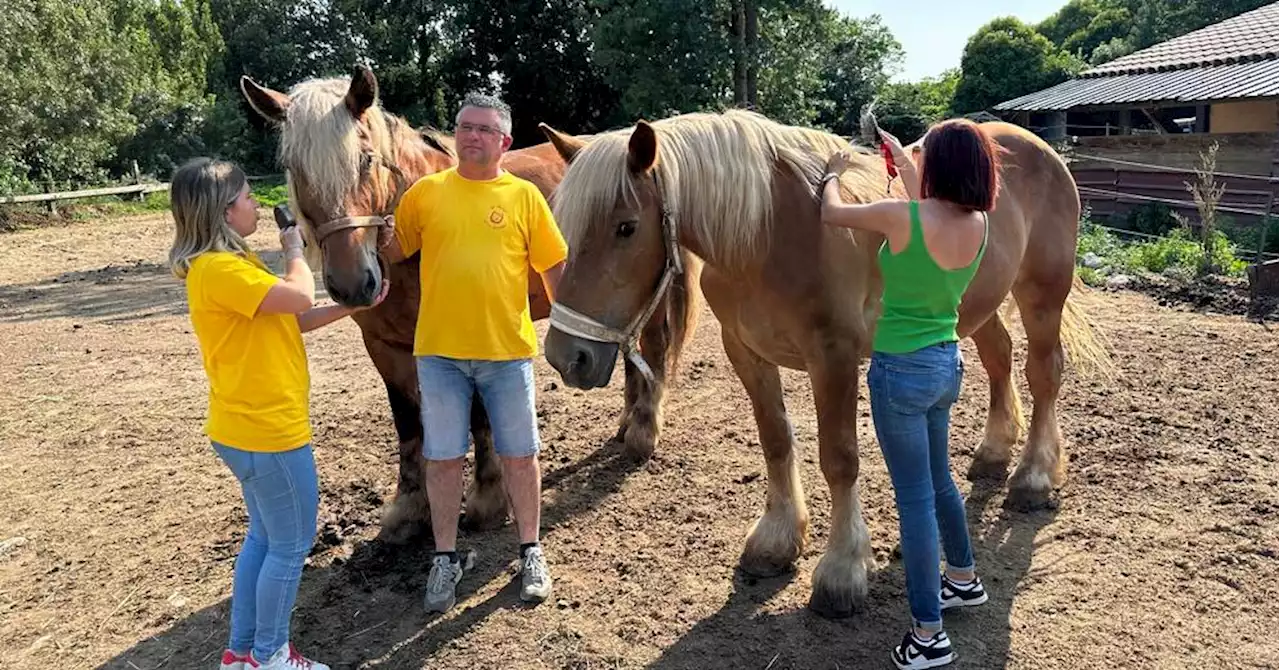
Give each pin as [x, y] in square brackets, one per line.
[581, 360]
[370, 284]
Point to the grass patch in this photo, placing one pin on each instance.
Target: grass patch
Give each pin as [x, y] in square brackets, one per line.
[1180, 255]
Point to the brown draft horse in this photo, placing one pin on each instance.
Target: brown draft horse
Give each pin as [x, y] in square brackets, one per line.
[348, 161]
[739, 191]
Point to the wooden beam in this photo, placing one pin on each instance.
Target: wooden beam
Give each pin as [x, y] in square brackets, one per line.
[87, 193]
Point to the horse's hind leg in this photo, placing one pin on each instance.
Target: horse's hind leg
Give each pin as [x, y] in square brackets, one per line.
[1042, 467]
[1004, 415]
[486, 502]
[779, 535]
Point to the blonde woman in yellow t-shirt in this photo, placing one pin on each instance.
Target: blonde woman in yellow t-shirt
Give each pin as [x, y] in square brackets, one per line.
[249, 325]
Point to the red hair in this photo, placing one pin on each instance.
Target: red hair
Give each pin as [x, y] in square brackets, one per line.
[960, 165]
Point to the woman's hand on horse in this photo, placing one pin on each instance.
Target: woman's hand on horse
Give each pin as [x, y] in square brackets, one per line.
[382, 295]
[838, 163]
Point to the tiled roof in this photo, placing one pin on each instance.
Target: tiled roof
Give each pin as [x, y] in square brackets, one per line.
[1234, 59]
[1225, 82]
[1250, 36]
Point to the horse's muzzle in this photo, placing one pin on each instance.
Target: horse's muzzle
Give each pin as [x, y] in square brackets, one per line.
[582, 363]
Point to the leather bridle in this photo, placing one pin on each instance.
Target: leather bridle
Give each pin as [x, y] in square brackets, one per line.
[384, 220]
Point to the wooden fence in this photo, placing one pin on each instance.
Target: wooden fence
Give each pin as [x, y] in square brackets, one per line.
[1118, 190]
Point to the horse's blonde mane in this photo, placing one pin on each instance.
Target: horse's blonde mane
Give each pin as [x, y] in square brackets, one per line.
[716, 173]
[319, 137]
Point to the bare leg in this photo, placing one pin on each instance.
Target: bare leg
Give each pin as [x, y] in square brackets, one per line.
[840, 580]
[1004, 414]
[444, 489]
[780, 534]
[486, 504]
[1042, 467]
[523, 480]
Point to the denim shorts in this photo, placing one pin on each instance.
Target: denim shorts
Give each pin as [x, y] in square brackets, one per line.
[447, 387]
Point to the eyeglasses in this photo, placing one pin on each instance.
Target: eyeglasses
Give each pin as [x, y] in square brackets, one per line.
[482, 129]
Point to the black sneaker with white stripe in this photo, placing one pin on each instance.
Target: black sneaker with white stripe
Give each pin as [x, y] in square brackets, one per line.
[962, 594]
[917, 653]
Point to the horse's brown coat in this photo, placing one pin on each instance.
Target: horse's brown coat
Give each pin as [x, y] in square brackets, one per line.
[789, 291]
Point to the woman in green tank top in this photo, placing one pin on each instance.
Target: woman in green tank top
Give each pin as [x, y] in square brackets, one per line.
[933, 245]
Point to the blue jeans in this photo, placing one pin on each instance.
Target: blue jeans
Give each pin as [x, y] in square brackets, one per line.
[281, 494]
[911, 399]
[447, 386]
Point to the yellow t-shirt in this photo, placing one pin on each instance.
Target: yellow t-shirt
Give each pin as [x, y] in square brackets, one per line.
[478, 240]
[259, 384]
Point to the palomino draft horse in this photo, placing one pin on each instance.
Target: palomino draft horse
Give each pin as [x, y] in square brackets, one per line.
[348, 162]
[739, 191]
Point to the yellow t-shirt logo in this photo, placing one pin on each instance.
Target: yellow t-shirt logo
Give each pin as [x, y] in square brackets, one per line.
[497, 217]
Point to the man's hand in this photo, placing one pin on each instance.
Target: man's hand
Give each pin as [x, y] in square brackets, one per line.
[388, 245]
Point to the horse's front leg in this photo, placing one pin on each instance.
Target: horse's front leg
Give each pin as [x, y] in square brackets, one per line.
[778, 537]
[840, 580]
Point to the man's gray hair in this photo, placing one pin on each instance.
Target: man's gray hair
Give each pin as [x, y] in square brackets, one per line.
[486, 101]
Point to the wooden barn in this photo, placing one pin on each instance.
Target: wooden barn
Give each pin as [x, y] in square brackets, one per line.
[1139, 124]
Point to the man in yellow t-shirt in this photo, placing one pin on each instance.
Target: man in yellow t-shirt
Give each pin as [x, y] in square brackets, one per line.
[479, 229]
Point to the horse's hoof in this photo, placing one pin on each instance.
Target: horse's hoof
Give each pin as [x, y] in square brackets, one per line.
[640, 443]
[1028, 499]
[987, 470]
[831, 605]
[764, 567]
[401, 533]
[473, 521]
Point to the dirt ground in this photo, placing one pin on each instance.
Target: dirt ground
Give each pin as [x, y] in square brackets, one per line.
[119, 527]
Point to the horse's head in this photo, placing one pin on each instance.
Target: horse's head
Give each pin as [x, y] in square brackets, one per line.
[346, 171]
[622, 253]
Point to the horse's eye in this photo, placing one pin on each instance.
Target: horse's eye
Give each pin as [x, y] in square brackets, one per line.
[626, 228]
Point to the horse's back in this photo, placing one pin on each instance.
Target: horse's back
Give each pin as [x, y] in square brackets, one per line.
[540, 164]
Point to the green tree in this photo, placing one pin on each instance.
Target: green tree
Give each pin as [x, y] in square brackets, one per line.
[907, 109]
[862, 56]
[1006, 59]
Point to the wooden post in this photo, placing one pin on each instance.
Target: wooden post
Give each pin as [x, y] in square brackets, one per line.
[137, 181]
[52, 205]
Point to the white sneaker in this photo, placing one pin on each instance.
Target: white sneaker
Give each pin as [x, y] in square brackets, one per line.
[287, 658]
[442, 581]
[535, 578]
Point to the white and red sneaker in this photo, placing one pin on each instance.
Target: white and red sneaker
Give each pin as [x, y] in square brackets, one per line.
[286, 658]
[233, 661]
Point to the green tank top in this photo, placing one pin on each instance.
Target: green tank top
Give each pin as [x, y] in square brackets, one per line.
[921, 300]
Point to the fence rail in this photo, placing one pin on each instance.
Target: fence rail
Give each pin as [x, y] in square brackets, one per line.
[141, 189]
[1117, 190]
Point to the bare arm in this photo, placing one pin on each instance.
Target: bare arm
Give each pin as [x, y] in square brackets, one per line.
[881, 216]
[319, 317]
[551, 280]
[296, 292]
[907, 171]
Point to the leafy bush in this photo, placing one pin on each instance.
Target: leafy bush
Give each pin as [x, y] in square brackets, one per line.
[1180, 255]
[269, 195]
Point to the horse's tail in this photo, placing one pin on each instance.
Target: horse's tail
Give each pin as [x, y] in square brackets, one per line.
[1084, 345]
[1086, 348]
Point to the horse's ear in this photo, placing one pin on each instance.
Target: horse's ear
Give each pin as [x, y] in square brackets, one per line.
[271, 105]
[642, 150]
[363, 91]
[567, 146]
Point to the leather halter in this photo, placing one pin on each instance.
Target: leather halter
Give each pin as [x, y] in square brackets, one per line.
[582, 326]
[386, 219]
